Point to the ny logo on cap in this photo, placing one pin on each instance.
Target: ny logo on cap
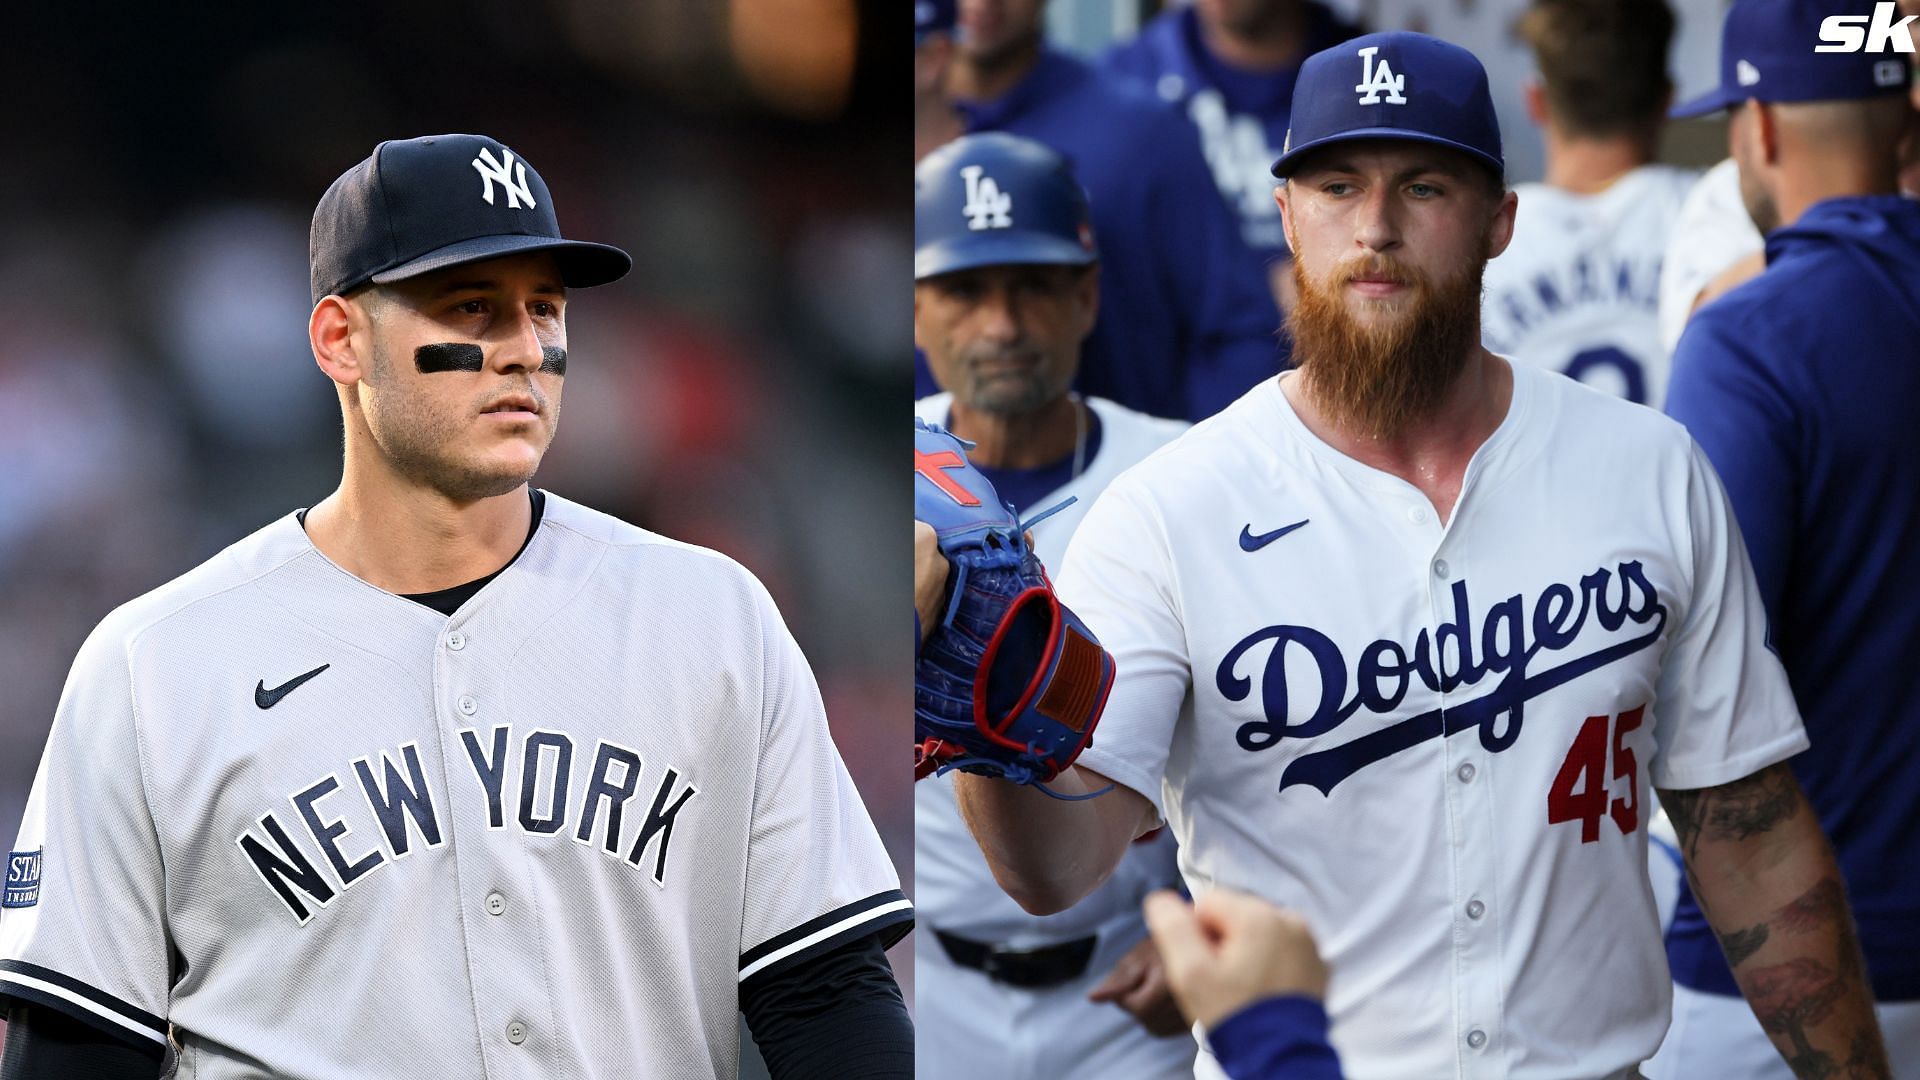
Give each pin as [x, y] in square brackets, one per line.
[987, 207]
[1375, 80]
[511, 174]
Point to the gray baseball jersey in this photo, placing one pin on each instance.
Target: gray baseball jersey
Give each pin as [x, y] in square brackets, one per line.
[546, 837]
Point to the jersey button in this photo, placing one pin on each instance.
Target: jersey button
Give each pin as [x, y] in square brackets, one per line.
[1476, 1038]
[517, 1033]
[1465, 772]
[1440, 568]
[1417, 515]
[1475, 908]
[467, 706]
[456, 641]
[497, 904]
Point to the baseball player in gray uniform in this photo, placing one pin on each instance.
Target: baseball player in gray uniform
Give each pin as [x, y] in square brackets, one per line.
[448, 776]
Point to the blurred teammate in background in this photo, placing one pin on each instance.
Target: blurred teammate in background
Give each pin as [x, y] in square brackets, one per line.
[1577, 291]
[934, 119]
[1001, 314]
[1189, 323]
[1802, 388]
[1230, 65]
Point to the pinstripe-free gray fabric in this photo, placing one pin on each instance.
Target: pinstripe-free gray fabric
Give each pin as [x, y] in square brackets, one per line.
[531, 840]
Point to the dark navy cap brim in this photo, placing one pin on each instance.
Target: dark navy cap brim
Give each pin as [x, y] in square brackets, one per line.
[1029, 249]
[1291, 159]
[1706, 104]
[582, 264]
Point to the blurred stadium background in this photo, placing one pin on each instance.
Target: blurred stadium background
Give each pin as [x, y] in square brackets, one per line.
[737, 390]
[1490, 29]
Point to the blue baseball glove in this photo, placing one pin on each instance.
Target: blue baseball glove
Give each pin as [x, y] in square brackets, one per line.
[1010, 683]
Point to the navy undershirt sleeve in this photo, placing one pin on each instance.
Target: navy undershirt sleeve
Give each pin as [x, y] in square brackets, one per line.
[43, 1042]
[838, 1016]
[1282, 1038]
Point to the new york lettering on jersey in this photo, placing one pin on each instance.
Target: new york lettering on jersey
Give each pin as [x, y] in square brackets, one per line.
[400, 807]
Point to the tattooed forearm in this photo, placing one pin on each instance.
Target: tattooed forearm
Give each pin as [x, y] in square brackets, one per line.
[1733, 811]
[1741, 944]
[1766, 880]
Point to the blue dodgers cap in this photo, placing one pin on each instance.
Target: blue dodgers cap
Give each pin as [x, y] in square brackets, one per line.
[419, 205]
[1396, 85]
[994, 199]
[1781, 50]
[933, 17]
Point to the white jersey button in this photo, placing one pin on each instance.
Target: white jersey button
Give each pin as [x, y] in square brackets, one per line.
[1417, 515]
[467, 705]
[1476, 1038]
[456, 641]
[497, 904]
[1475, 909]
[517, 1033]
[1440, 568]
[1465, 772]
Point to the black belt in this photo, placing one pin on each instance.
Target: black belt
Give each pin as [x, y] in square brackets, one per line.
[1031, 969]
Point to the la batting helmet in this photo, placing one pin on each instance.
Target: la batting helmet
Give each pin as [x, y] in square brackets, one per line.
[994, 199]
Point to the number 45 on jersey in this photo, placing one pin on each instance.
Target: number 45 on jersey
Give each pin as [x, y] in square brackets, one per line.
[1583, 790]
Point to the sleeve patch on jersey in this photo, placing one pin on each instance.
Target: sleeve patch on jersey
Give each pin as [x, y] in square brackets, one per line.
[890, 911]
[23, 879]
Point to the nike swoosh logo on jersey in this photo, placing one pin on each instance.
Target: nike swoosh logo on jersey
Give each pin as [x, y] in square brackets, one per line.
[267, 699]
[1250, 542]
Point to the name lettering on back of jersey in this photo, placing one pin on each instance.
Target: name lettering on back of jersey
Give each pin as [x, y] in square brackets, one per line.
[1376, 80]
[1510, 642]
[544, 789]
[23, 879]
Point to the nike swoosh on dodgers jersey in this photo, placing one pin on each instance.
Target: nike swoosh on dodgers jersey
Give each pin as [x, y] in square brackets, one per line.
[1250, 542]
[267, 699]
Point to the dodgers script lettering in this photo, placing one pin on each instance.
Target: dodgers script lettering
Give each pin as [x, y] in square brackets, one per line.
[1509, 643]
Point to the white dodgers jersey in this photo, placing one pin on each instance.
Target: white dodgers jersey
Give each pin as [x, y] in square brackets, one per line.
[1436, 740]
[546, 837]
[1578, 289]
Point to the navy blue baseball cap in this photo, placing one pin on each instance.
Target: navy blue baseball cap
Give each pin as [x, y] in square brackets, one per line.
[1768, 53]
[934, 17]
[419, 205]
[994, 199]
[1396, 85]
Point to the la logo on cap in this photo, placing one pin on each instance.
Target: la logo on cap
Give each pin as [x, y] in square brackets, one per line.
[511, 174]
[1375, 80]
[1746, 74]
[987, 206]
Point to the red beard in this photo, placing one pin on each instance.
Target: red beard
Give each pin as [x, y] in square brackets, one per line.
[1376, 380]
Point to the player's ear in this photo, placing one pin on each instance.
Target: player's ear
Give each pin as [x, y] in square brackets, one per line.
[1500, 227]
[1280, 194]
[1086, 296]
[330, 333]
[1535, 97]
